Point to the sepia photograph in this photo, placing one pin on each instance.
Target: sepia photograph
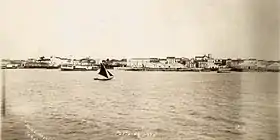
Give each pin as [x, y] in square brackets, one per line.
[140, 69]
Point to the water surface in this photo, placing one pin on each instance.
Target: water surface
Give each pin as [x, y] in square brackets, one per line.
[141, 105]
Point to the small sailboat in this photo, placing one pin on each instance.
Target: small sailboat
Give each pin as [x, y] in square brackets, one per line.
[104, 73]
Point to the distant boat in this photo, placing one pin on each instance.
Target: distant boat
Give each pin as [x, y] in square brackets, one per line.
[104, 73]
[11, 66]
[224, 70]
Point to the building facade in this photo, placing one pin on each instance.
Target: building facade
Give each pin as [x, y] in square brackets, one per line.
[235, 63]
[163, 61]
[154, 60]
[248, 64]
[171, 60]
[138, 62]
[205, 61]
[274, 67]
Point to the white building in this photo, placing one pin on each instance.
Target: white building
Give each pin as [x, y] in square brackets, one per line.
[201, 58]
[171, 60]
[205, 61]
[175, 65]
[56, 61]
[138, 62]
[211, 63]
[156, 65]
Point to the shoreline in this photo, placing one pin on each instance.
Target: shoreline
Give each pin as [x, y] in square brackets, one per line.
[156, 70]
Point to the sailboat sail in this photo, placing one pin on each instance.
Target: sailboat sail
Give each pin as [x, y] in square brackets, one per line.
[103, 71]
[110, 73]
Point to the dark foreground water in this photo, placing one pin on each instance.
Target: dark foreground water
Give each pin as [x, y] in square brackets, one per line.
[50, 104]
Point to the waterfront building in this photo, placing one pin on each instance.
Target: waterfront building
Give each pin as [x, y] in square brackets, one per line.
[178, 60]
[123, 62]
[274, 67]
[262, 64]
[163, 61]
[171, 60]
[228, 62]
[201, 58]
[249, 64]
[218, 62]
[58, 61]
[118, 63]
[138, 62]
[155, 65]
[31, 60]
[235, 63]
[174, 65]
[186, 62]
[191, 63]
[251, 61]
[202, 64]
[183, 60]
[115, 63]
[87, 62]
[200, 61]
[46, 62]
[211, 63]
[76, 62]
[36, 64]
[205, 61]
[154, 60]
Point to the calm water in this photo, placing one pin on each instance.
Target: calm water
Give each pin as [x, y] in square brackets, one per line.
[141, 105]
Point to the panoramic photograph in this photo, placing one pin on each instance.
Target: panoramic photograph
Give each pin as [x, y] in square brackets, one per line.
[140, 70]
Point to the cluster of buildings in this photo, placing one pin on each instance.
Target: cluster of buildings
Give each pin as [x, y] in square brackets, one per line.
[55, 62]
[205, 62]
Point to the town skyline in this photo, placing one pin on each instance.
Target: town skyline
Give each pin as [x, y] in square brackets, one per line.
[148, 28]
[198, 63]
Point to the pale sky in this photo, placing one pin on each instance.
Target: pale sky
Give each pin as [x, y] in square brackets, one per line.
[139, 28]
